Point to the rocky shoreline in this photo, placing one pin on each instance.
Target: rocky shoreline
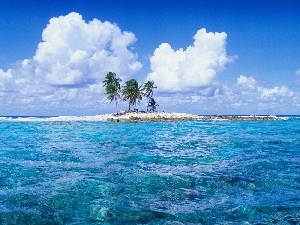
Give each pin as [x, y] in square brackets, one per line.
[163, 116]
[225, 117]
[151, 117]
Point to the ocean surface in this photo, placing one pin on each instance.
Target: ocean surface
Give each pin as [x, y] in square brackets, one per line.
[190, 172]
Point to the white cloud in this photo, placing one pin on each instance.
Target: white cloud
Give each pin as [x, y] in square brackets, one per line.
[272, 93]
[297, 72]
[76, 53]
[246, 84]
[5, 81]
[68, 66]
[5, 75]
[197, 66]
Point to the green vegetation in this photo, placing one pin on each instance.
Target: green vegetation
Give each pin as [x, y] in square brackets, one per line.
[148, 93]
[131, 92]
[112, 88]
[152, 104]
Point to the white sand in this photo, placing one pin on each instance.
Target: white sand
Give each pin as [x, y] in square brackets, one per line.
[124, 117]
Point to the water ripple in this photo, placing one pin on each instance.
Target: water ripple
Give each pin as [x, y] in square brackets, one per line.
[192, 172]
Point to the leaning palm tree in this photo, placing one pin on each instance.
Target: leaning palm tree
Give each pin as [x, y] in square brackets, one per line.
[112, 88]
[132, 93]
[148, 91]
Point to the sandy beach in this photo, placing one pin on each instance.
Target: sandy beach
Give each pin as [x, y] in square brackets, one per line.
[156, 116]
[133, 116]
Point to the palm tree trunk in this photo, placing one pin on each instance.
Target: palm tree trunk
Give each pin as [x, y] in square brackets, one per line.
[148, 104]
[117, 107]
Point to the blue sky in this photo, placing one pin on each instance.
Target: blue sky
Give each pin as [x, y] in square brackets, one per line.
[206, 57]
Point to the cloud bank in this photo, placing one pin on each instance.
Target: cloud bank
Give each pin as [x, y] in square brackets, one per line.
[246, 96]
[273, 93]
[246, 85]
[197, 66]
[70, 63]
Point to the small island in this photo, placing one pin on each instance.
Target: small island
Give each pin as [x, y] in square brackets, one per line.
[133, 92]
[152, 117]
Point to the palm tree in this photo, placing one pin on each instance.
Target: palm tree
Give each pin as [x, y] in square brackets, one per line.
[132, 92]
[152, 104]
[112, 88]
[148, 91]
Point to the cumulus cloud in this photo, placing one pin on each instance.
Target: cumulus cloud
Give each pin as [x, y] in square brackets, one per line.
[70, 63]
[5, 75]
[5, 81]
[246, 84]
[75, 53]
[197, 66]
[272, 93]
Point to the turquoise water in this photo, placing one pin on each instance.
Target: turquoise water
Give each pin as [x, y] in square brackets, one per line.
[192, 172]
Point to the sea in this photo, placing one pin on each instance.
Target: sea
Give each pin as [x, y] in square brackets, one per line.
[183, 172]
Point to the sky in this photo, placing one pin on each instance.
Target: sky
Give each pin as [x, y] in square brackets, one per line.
[205, 56]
